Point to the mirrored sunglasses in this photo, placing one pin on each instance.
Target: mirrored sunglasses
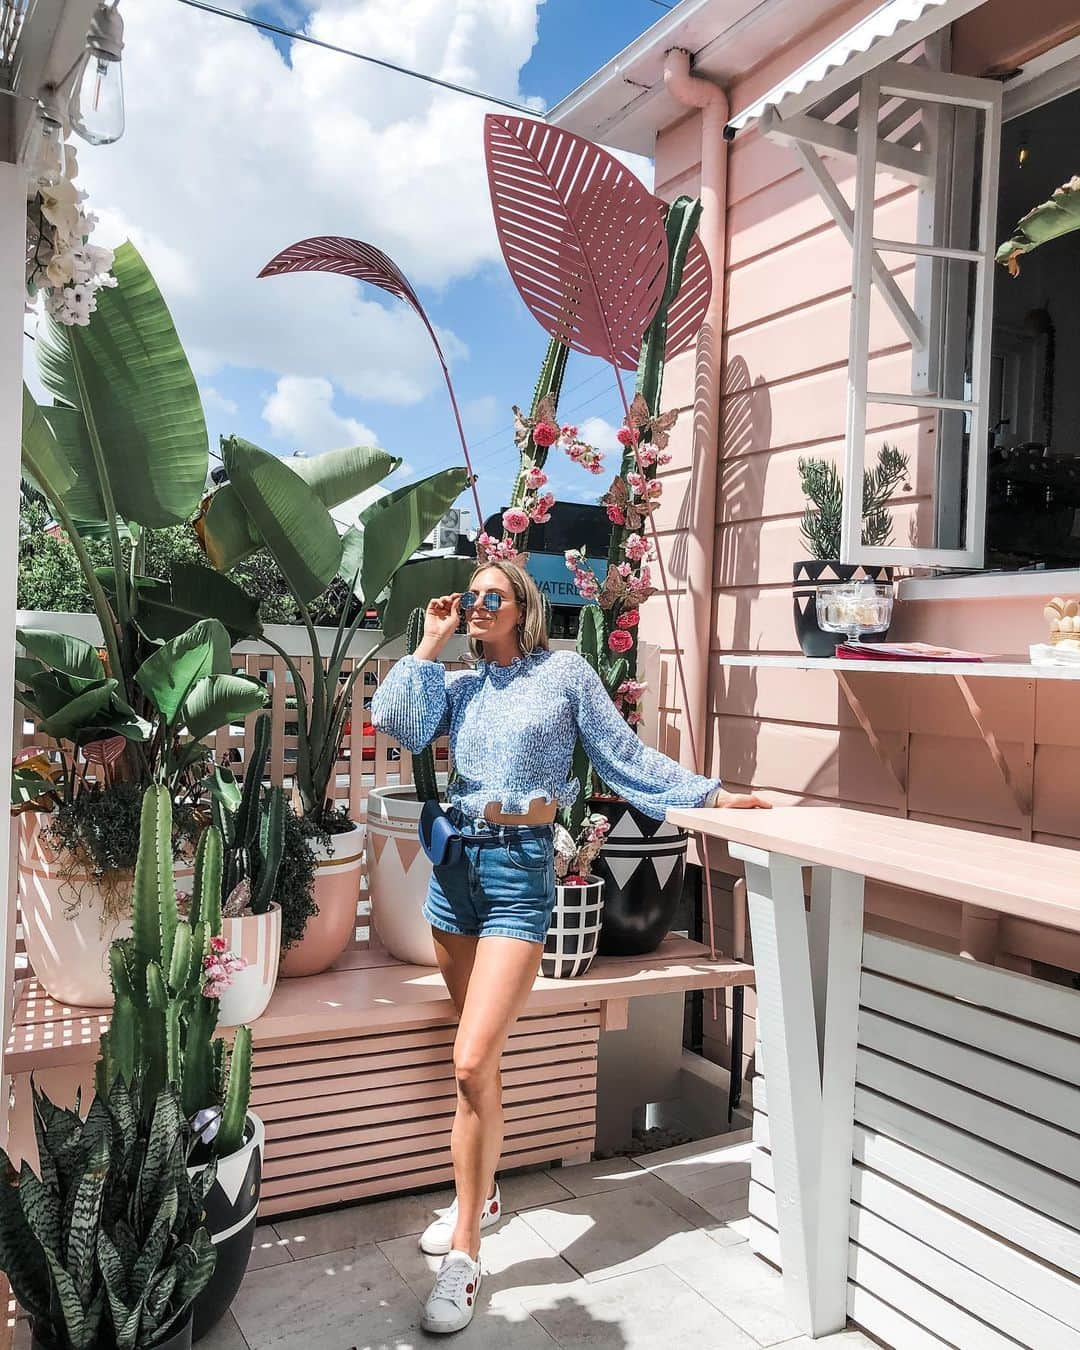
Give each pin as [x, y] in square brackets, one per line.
[491, 600]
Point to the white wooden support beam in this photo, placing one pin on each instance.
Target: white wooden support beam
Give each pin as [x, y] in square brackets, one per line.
[913, 166]
[808, 973]
[883, 279]
[12, 303]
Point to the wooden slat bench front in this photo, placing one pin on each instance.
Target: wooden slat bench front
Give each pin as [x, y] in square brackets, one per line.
[353, 1075]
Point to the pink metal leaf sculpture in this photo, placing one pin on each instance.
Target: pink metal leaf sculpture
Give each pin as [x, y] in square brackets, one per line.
[580, 235]
[365, 262]
[688, 311]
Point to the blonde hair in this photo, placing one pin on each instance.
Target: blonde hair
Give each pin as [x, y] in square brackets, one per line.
[532, 631]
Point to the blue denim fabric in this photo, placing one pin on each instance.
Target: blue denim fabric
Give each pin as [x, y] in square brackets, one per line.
[501, 889]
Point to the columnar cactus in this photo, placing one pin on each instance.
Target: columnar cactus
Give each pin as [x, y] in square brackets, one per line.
[423, 764]
[251, 821]
[161, 1018]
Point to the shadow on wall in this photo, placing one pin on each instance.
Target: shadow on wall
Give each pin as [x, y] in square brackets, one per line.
[745, 436]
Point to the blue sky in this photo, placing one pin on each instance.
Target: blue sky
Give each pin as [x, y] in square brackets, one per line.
[238, 145]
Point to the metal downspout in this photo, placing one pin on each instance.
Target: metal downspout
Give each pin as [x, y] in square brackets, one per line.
[695, 92]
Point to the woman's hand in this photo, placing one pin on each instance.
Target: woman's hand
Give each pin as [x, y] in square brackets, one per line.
[441, 619]
[741, 801]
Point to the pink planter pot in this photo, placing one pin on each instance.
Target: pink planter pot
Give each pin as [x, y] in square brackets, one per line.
[257, 938]
[67, 933]
[398, 875]
[337, 893]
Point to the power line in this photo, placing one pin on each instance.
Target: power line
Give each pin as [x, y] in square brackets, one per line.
[295, 36]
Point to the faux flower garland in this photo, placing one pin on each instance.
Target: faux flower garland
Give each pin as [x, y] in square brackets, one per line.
[574, 857]
[62, 265]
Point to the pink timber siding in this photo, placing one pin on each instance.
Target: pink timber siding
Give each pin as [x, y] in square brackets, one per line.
[790, 732]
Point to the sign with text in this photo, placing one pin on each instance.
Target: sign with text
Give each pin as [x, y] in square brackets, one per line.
[553, 577]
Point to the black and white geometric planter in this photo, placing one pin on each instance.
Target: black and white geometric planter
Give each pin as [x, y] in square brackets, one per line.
[642, 864]
[574, 932]
[230, 1221]
[813, 573]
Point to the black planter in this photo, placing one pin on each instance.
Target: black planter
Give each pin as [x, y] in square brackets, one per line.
[574, 931]
[179, 1340]
[642, 864]
[230, 1221]
[813, 573]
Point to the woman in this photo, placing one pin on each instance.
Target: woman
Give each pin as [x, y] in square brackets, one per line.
[513, 721]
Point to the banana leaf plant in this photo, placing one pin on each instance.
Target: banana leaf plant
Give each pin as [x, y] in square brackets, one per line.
[122, 449]
[285, 508]
[1049, 220]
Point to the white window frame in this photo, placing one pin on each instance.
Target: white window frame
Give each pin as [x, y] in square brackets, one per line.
[904, 80]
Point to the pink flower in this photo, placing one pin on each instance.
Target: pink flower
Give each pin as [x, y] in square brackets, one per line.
[628, 620]
[595, 466]
[631, 690]
[627, 435]
[624, 569]
[654, 490]
[634, 719]
[569, 433]
[637, 547]
[539, 516]
[545, 433]
[535, 478]
[663, 457]
[636, 481]
[646, 455]
[616, 514]
[515, 520]
[572, 555]
[620, 641]
[218, 944]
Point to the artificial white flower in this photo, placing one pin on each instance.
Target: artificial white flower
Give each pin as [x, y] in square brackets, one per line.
[61, 269]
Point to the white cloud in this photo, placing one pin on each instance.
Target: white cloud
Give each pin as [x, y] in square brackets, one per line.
[404, 473]
[301, 412]
[231, 154]
[481, 414]
[215, 401]
[600, 433]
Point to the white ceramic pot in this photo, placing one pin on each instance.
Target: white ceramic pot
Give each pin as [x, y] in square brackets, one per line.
[337, 894]
[63, 916]
[256, 937]
[574, 932]
[398, 875]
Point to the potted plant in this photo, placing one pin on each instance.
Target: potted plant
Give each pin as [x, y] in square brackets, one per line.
[105, 1248]
[285, 508]
[822, 486]
[251, 822]
[167, 980]
[122, 449]
[574, 934]
[76, 856]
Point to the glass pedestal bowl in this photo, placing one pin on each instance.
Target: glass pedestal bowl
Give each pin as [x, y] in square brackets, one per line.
[855, 609]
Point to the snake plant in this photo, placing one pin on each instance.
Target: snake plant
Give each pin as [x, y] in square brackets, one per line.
[163, 1024]
[251, 821]
[104, 1245]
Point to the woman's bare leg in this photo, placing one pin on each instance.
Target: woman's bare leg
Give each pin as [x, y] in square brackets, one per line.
[499, 984]
[455, 953]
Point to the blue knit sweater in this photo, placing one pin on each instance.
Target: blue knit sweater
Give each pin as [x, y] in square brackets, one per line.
[513, 728]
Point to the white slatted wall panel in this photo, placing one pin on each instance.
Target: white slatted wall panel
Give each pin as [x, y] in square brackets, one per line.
[965, 1205]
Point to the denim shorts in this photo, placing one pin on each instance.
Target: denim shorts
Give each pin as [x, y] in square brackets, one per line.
[499, 889]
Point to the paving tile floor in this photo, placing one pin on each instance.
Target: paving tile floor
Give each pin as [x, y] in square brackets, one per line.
[631, 1254]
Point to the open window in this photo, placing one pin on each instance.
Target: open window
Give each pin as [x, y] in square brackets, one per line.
[933, 400]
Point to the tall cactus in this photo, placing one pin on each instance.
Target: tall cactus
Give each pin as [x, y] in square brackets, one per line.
[423, 764]
[592, 645]
[161, 1020]
[251, 820]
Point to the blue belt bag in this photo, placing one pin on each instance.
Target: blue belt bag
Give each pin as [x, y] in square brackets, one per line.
[440, 840]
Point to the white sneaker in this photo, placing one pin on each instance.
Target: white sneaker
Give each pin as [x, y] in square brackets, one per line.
[451, 1304]
[437, 1236]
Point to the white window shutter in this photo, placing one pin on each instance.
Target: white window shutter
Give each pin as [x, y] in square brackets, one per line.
[897, 80]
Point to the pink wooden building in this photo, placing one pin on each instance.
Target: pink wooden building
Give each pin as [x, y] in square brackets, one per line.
[783, 78]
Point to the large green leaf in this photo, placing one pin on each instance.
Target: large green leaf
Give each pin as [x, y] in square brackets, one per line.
[395, 526]
[83, 498]
[288, 516]
[219, 700]
[43, 459]
[62, 652]
[338, 475]
[66, 716]
[53, 352]
[1049, 220]
[416, 583]
[166, 609]
[226, 531]
[127, 373]
[169, 676]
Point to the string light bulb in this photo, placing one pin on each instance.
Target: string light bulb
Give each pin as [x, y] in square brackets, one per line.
[46, 158]
[1022, 155]
[97, 96]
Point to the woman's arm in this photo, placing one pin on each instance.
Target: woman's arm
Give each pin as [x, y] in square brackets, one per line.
[411, 704]
[647, 779]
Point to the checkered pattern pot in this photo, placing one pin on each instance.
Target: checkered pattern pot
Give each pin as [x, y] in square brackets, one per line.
[575, 930]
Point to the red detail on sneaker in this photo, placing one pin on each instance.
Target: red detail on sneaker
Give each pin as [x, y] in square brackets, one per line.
[468, 1288]
[494, 1206]
[469, 1302]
